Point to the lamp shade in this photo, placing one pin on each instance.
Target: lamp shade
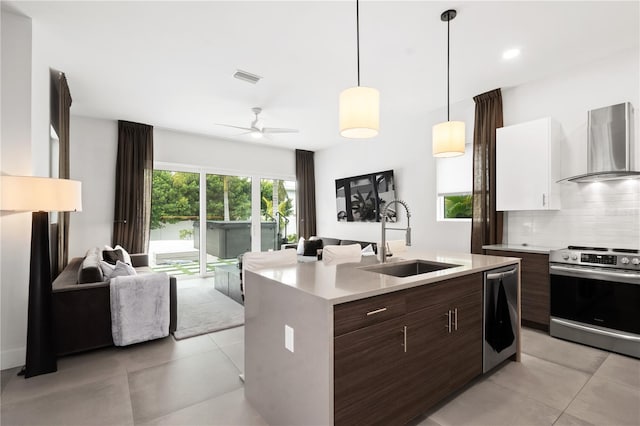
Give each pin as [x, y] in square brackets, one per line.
[30, 193]
[448, 139]
[359, 112]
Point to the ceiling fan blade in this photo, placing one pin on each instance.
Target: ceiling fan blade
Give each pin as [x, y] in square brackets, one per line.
[278, 130]
[234, 127]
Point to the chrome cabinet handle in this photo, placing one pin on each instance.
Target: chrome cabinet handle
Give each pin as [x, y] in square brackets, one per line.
[448, 315]
[455, 320]
[544, 200]
[377, 311]
[405, 339]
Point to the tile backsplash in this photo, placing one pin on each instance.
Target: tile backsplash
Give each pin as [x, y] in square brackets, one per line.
[599, 213]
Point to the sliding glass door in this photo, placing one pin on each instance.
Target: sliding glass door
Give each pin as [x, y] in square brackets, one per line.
[200, 220]
[175, 214]
[228, 224]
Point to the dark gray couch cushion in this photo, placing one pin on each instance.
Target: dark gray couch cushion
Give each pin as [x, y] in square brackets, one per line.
[363, 244]
[90, 270]
[330, 241]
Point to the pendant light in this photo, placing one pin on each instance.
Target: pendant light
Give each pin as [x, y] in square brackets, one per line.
[448, 137]
[359, 107]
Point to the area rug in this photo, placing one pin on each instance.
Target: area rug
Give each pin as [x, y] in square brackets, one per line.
[203, 310]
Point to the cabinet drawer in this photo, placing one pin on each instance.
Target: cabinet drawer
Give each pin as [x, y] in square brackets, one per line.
[362, 313]
[443, 292]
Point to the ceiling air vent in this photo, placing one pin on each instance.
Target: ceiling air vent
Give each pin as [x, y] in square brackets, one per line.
[247, 76]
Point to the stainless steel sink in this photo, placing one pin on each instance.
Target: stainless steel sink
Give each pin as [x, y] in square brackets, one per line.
[406, 269]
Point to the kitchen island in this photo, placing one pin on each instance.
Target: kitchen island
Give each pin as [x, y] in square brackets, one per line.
[340, 344]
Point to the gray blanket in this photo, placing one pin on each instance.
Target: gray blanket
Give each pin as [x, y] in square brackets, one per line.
[139, 308]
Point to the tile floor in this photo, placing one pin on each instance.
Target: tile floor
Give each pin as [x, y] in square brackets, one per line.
[195, 382]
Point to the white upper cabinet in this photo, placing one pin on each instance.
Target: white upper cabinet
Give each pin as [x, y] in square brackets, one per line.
[527, 166]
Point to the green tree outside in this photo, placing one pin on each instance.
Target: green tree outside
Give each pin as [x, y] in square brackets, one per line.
[284, 202]
[176, 197]
[458, 206]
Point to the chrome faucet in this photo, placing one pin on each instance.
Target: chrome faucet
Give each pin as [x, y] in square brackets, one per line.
[383, 250]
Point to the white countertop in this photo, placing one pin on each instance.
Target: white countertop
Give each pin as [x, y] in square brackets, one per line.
[347, 282]
[519, 247]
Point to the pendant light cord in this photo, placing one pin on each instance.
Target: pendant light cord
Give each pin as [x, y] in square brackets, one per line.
[448, 22]
[358, 37]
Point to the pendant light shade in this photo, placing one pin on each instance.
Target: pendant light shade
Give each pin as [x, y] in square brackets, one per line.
[448, 137]
[359, 112]
[359, 107]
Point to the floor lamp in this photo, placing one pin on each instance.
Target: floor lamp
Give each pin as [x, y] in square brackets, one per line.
[40, 196]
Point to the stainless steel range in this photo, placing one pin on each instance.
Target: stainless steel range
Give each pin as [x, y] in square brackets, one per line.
[595, 297]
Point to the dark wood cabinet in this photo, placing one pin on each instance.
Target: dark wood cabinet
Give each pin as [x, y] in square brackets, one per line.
[427, 360]
[534, 284]
[366, 370]
[414, 347]
[465, 343]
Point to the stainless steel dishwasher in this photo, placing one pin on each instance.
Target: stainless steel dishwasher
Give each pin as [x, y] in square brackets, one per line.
[500, 320]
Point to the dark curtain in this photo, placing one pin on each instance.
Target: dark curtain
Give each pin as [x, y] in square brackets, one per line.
[486, 224]
[134, 174]
[61, 97]
[306, 192]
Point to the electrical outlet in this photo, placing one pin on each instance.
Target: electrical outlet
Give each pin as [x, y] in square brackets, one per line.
[288, 337]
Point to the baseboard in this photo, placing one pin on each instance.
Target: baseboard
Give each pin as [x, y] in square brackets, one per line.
[536, 325]
[12, 358]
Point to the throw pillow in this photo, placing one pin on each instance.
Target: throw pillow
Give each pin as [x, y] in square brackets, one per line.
[127, 257]
[301, 246]
[112, 256]
[122, 269]
[368, 251]
[311, 247]
[107, 269]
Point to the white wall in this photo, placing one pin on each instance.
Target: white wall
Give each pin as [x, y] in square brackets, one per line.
[605, 213]
[15, 229]
[42, 59]
[93, 146]
[222, 155]
[404, 146]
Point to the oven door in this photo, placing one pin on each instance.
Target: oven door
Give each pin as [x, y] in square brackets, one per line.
[598, 296]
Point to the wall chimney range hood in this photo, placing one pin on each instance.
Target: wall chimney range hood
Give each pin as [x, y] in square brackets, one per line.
[610, 145]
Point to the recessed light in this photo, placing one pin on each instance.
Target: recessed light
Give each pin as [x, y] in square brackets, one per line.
[511, 53]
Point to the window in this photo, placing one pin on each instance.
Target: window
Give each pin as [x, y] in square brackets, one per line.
[458, 206]
[454, 186]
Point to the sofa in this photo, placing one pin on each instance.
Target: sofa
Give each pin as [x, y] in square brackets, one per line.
[325, 241]
[82, 307]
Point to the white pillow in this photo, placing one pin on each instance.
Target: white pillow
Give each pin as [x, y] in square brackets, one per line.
[122, 269]
[300, 249]
[125, 254]
[107, 269]
[368, 251]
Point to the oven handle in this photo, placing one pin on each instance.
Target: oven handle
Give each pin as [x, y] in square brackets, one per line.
[617, 335]
[595, 274]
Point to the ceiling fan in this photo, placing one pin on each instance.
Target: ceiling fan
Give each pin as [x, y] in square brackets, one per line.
[257, 130]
